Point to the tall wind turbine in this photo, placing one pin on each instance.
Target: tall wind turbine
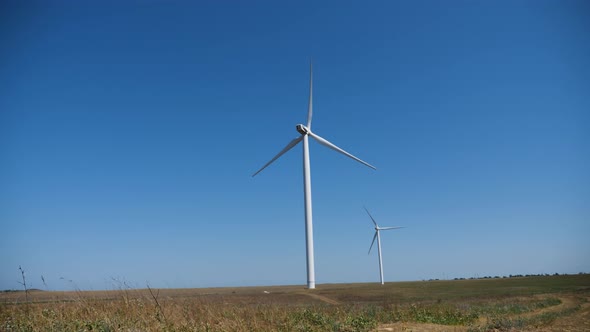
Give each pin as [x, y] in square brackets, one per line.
[305, 132]
[378, 237]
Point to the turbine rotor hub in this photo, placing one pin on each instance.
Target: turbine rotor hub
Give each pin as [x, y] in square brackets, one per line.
[302, 129]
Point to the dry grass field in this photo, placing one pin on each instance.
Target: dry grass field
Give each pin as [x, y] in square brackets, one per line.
[549, 303]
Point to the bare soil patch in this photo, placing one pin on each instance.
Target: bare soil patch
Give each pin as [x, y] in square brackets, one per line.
[322, 298]
[420, 327]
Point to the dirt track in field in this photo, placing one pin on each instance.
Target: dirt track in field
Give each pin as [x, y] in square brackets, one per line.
[578, 321]
[420, 327]
[321, 298]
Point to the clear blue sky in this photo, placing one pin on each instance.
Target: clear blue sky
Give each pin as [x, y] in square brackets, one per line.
[129, 133]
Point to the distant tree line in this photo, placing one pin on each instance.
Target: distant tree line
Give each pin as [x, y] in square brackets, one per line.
[514, 276]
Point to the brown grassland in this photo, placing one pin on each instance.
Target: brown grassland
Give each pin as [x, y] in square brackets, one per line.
[539, 303]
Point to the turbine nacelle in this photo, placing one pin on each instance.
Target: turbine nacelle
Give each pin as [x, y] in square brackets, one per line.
[303, 130]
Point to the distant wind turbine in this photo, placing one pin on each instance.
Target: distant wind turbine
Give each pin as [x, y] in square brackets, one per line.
[378, 237]
[305, 132]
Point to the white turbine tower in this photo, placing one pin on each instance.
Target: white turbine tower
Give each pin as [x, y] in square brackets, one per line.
[306, 132]
[378, 237]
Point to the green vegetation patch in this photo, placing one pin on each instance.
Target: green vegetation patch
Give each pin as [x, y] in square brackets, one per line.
[437, 314]
[515, 306]
[325, 319]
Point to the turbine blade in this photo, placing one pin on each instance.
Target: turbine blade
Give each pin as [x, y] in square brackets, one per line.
[324, 142]
[372, 243]
[374, 222]
[287, 148]
[386, 228]
[310, 106]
